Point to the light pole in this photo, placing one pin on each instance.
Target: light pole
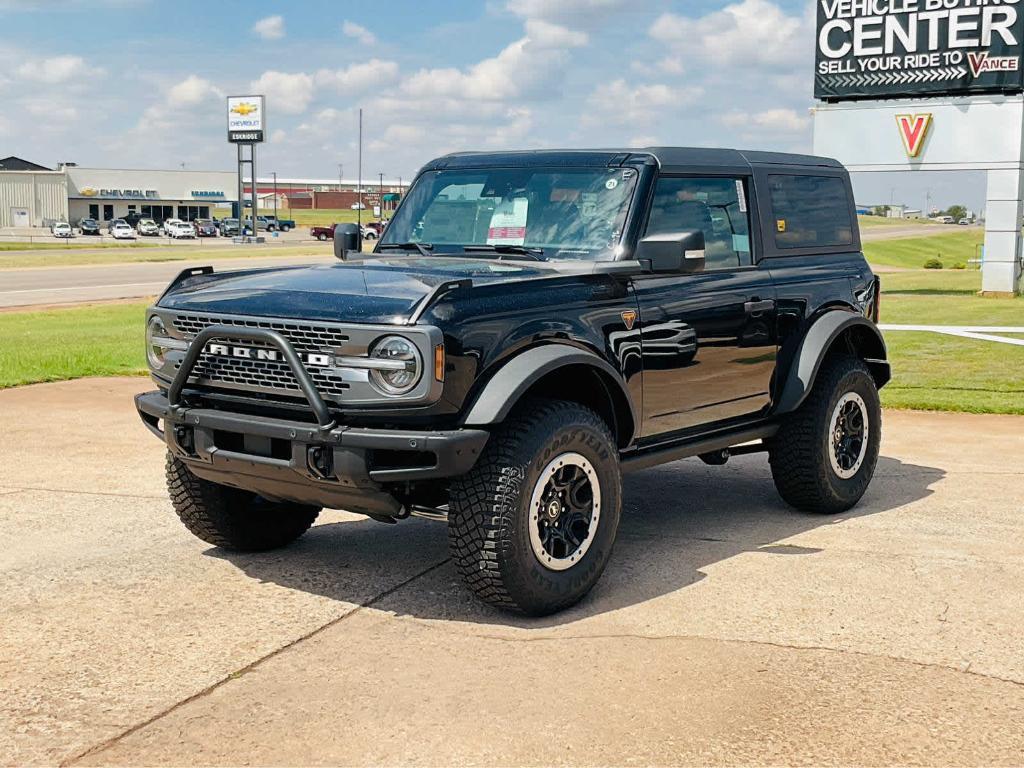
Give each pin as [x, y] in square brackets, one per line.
[275, 195]
[359, 181]
[380, 200]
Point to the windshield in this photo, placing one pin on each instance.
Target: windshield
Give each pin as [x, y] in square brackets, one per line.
[563, 213]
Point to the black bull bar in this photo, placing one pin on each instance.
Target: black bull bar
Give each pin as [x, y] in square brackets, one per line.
[324, 464]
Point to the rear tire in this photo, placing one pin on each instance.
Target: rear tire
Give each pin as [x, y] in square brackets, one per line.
[232, 518]
[824, 455]
[531, 526]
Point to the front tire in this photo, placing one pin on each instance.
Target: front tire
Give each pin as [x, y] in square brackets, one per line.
[531, 526]
[231, 518]
[824, 454]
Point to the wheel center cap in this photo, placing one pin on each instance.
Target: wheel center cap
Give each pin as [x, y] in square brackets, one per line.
[554, 509]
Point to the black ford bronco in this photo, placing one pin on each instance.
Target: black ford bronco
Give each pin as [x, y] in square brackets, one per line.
[530, 326]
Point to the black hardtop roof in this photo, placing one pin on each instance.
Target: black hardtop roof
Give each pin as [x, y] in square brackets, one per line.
[667, 158]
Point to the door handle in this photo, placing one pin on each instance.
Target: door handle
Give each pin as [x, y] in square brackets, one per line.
[756, 306]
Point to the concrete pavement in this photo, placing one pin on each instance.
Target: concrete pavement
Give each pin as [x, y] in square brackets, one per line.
[103, 282]
[727, 630]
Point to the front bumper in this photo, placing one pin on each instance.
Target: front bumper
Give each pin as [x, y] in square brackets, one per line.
[321, 464]
[337, 466]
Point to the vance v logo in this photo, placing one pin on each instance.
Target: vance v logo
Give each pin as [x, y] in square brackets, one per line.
[913, 131]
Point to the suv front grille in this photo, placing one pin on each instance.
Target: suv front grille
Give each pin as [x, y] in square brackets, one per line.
[267, 376]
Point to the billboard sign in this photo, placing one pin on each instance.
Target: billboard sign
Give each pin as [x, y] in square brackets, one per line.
[877, 49]
[246, 119]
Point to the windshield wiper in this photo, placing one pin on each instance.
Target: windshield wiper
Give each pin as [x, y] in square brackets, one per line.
[537, 254]
[423, 248]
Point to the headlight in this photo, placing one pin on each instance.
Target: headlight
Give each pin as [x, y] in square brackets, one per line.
[404, 368]
[156, 333]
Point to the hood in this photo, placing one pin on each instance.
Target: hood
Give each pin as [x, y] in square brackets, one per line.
[380, 290]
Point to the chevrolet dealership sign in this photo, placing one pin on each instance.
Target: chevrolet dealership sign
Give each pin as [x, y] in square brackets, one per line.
[908, 48]
[246, 123]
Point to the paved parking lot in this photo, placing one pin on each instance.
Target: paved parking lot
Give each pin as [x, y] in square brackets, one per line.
[727, 630]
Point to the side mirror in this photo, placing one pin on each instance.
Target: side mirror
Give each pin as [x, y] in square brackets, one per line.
[673, 251]
[346, 240]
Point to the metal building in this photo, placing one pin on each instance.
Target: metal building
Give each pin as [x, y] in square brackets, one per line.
[33, 198]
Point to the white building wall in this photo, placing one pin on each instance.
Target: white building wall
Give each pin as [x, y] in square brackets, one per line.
[43, 194]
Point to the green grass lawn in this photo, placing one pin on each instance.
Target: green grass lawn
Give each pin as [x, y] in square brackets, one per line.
[170, 253]
[321, 217]
[912, 252]
[944, 298]
[103, 340]
[946, 373]
[61, 245]
[878, 222]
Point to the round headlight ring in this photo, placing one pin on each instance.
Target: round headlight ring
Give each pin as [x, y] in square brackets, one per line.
[396, 382]
[156, 353]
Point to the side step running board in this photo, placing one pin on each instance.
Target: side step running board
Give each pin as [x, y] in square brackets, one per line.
[652, 457]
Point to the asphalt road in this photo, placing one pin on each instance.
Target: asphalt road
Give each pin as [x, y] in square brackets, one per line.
[102, 282]
[78, 284]
[727, 630]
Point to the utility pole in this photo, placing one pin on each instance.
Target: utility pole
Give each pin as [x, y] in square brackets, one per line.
[359, 182]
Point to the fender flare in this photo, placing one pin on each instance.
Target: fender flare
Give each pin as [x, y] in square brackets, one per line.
[815, 345]
[499, 395]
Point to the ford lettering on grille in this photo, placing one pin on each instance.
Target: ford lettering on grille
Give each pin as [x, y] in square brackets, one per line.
[266, 353]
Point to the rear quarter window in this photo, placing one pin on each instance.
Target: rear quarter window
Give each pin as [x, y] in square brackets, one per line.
[810, 211]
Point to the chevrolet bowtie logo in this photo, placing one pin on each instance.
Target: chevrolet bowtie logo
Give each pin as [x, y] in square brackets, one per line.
[244, 109]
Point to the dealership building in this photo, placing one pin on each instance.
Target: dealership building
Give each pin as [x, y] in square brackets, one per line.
[109, 193]
[33, 195]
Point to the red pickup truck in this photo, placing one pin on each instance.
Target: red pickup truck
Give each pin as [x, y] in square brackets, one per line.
[371, 231]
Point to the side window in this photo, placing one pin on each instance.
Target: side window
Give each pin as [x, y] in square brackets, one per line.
[810, 211]
[718, 206]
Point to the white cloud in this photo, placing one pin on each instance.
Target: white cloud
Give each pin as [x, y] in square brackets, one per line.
[755, 32]
[776, 121]
[59, 69]
[286, 92]
[55, 114]
[269, 28]
[191, 91]
[523, 67]
[358, 77]
[618, 102]
[358, 32]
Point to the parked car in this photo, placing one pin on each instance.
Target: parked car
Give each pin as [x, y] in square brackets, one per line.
[62, 229]
[284, 225]
[204, 228]
[147, 228]
[113, 223]
[179, 229]
[378, 227]
[132, 218]
[229, 227]
[322, 233]
[368, 232]
[358, 206]
[122, 231]
[428, 391]
[262, 223]
[965, 222]
[89, 226]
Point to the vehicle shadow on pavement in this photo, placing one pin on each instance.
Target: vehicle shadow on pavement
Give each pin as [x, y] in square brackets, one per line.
[677, 519]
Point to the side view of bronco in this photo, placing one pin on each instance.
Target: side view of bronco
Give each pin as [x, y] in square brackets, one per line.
[530, 326]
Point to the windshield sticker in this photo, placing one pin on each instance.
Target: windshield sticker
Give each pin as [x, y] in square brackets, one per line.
[589, 208]
[508, 222]
[741, 243]
[741, 196]
[611, 184]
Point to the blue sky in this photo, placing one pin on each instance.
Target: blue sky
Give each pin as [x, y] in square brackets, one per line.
[131, 83]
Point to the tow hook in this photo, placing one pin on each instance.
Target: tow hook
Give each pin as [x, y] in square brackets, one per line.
[320, 461]
[186, 440]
